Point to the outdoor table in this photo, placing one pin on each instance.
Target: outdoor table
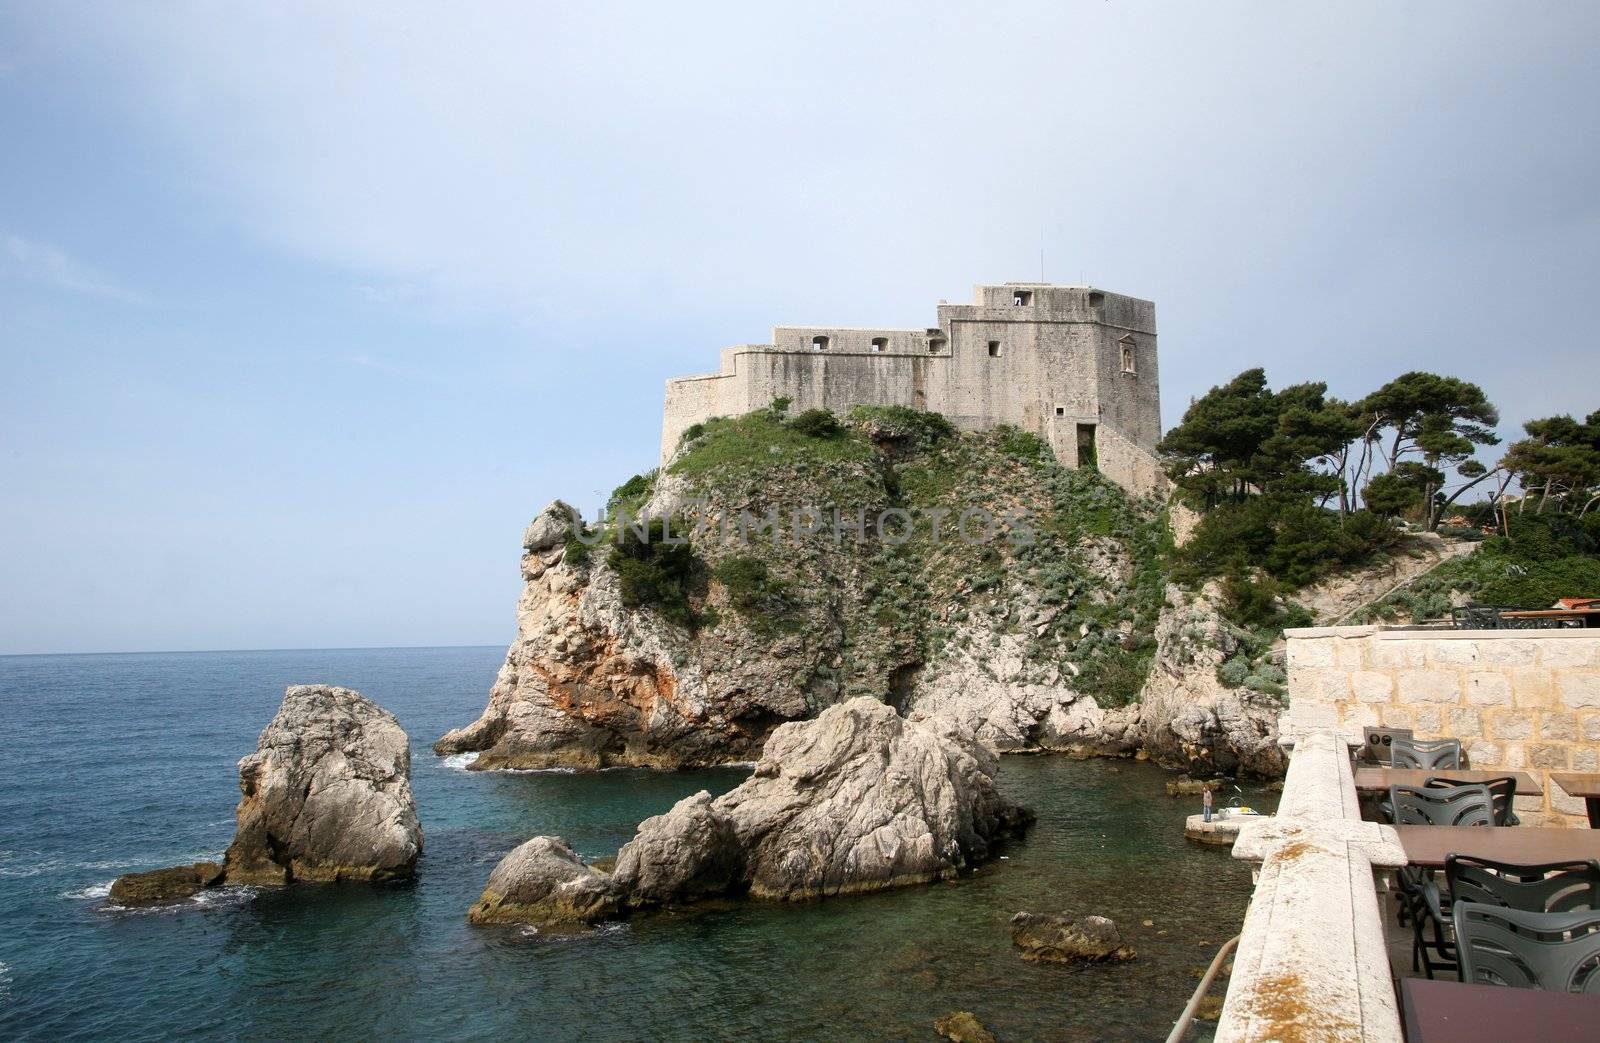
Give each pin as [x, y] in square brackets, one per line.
[1582, 784]
[1438, 1011]
[1426, 846]
[1583, 617]
[1378, 780]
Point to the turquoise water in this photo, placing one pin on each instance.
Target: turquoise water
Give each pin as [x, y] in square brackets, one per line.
[111, 763]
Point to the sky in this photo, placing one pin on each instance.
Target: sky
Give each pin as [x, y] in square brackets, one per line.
[306, 309]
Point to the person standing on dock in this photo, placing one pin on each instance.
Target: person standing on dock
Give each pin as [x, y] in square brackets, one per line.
[1205, 802]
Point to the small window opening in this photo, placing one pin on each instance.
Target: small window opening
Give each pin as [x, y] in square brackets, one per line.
[1061, 411]
[1129, 361]
[935, 345]
[880, 343]
[819, 343]
[994, 349]
[1096, 298]
[1021, 298]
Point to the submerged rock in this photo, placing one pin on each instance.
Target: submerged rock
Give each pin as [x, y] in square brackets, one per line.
[1047, 938]
[165, 885]
[326, 795]
[963, 1026]
[544, 882]
[857, 800]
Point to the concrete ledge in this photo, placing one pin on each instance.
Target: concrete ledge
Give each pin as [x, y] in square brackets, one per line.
[1222, 830]
[1311, 962]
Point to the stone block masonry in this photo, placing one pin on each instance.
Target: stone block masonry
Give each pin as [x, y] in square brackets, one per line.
[1523, 700]
[1074, 365]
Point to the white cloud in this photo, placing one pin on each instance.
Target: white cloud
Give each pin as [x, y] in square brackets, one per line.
[47, 265]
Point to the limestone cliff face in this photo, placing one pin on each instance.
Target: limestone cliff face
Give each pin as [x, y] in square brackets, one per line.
[1064, 641]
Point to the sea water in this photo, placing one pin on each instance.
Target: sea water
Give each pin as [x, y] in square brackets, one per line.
[116, 763]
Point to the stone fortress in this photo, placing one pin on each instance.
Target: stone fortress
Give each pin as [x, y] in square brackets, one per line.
[1072, 364]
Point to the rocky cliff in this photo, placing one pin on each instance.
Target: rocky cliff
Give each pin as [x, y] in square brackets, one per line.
[962, 578]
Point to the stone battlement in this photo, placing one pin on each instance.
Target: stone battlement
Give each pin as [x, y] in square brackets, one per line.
[1074, 365]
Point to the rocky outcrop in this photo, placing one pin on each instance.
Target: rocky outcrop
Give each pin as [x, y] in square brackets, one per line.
[857, 800]
[165, 885]
[1185, 716]
[1046, 938]
[326, 795]
[1332, 599]
[544, 882]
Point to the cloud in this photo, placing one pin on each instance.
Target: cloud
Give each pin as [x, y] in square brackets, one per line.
[50, 266]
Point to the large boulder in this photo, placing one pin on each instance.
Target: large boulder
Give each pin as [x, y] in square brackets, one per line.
[544, 882]
[690, 852]
[326, 795]
[860, 800]
[1046, 938]
[857, 800]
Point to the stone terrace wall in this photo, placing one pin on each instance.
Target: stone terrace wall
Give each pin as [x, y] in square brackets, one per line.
[1520, 699]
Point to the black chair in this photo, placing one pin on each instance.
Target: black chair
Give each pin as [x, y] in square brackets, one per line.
[1558, 952]
[1545, 888]
[1418, 894]
[1551, 887]
[1468, 805]
[1426, 754]
[1501, 793]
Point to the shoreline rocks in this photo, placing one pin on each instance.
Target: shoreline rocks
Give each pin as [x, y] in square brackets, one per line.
[857, 800]
[1054, 938]
[165, 885]
[326, 797]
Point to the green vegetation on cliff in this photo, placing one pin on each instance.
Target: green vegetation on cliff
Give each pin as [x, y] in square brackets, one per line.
[879, 544]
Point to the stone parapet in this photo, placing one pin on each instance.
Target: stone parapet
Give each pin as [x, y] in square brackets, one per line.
[1524, 700]
[1311, 962]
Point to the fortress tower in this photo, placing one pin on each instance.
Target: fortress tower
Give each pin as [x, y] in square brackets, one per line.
[1075, 365]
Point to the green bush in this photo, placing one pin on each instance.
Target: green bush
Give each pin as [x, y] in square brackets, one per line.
[817, 423]
[761, 598]
[691, 432]
[578, 553]
[631, 495]
[656, 575]
[1233, 672]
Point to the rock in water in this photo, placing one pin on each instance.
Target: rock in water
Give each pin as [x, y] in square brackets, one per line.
[165, 885]
[327, 794]
[544, 882]
[857, 800]
[1045, 938]
[963, 1026]
[861, 800]
[690, 852]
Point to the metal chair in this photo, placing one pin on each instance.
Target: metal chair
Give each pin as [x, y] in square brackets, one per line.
[1468, 805]
[1426, 754]
[1558, 952]
[1501, 794]
[1551, 887]
[1545, 888]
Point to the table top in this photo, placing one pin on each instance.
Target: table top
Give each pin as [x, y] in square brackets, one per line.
[1438, 1011]
[1578, 783]
[1379, 779]
[1427, 846]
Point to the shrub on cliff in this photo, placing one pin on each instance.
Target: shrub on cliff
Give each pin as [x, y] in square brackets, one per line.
[656, 575]
[761, 598]
[816, 423]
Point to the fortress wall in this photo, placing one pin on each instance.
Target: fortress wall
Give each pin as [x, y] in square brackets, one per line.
[691, 400]
[1129, 465]
[840, 380]
[852, 340]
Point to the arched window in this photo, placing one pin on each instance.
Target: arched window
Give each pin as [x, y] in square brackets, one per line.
[1130, 363]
